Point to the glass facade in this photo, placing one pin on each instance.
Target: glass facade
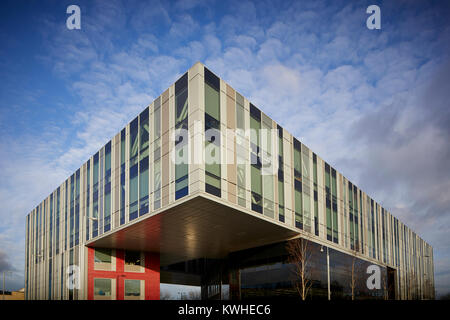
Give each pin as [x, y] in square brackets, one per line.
[266, 272]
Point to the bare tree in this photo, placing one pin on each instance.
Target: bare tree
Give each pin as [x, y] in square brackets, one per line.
[299, 256]
[386, 285]
[356, 271]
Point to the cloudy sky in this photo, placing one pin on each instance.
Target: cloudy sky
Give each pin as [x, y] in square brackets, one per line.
[373, 103]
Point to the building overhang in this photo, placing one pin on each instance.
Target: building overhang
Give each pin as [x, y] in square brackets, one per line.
[197, 227]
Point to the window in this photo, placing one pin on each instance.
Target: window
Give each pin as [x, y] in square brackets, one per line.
[133, 258]
[102, 287]
[66, 200]
[298, 185]
[71, 264]
[350, 215]
[334, 205]
[181, 139]
[103, 255]
[328, 201]
[132, 288]
[280, 176]
[77, 207]
[256, 188]
[268, 177]
[241, 149]
[361, 220]
[212, 134]
[306, 189]
[316, 204]
[72, 211]
[122, 176]
[88, 187]
[298, 208]
[297, 161]
[256, 179]
[95, 196]
[157, 154]
[281, 200]
[144, 162]
[133, 196]
[107, 185]
[356, 217]
[50, 251]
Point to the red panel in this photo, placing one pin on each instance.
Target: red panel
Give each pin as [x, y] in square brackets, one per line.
[151, 275]
[152, 272]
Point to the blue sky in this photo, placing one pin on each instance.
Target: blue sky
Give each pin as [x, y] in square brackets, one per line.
[373, 103]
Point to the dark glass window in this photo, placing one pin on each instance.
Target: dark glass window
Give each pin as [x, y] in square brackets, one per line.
[212, 80]
[132, 258]
[255, 112]
[103, 255]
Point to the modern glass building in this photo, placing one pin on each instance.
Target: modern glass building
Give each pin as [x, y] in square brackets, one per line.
[202, 188]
